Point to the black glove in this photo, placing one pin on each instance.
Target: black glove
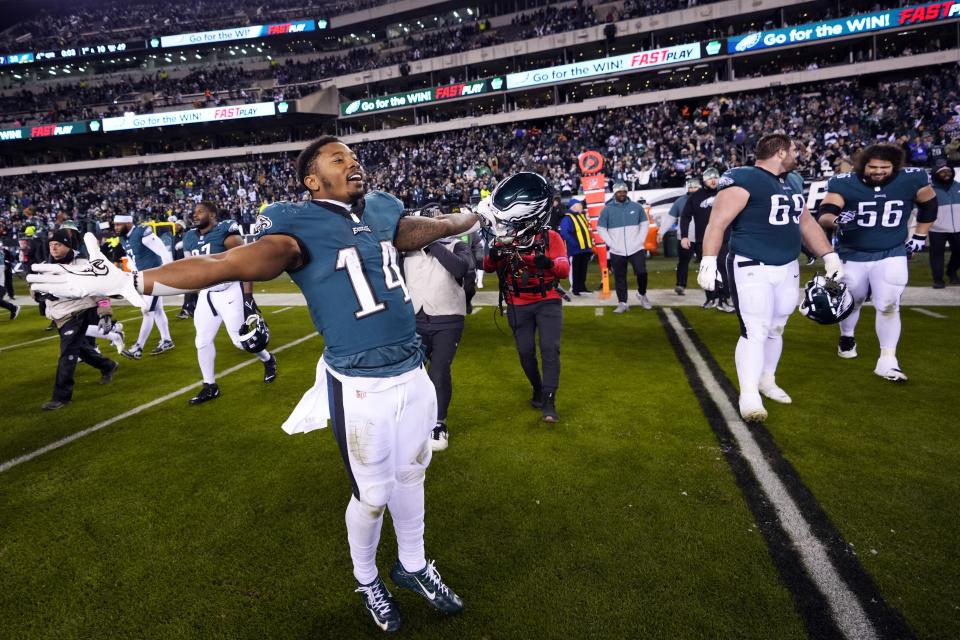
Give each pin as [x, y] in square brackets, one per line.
[105, 324]
[542, 262]
[249, 305]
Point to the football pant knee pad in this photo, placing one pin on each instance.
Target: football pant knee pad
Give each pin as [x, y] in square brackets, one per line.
[376, 495]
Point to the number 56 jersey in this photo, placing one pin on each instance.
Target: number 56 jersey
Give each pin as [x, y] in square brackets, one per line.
[352, 282]
[881, 214]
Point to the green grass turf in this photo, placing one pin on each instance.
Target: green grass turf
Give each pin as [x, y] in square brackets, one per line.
[662, 275]
[209, 522]
[883, 459]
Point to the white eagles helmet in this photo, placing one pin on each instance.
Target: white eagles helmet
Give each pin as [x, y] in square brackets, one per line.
[518, 209]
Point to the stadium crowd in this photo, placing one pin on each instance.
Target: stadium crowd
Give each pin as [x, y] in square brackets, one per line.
[647, 147]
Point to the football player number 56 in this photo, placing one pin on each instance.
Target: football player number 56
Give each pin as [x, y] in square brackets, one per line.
[890, 217]
[348, 259]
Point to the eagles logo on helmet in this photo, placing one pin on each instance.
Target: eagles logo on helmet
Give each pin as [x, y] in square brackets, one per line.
[826, 300]
[255, 335]
[520, 207]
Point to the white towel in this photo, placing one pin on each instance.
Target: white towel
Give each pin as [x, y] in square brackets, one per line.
[313, 410]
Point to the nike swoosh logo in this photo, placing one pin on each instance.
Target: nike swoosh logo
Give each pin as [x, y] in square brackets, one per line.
[430, 594]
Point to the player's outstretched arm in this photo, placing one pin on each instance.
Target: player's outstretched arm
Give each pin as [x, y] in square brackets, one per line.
[264, 259]
[415, 232]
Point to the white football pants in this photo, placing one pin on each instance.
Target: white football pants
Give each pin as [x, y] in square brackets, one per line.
[153, 313]
[384, 438]
[764, 296]
[216, 305]
[885, 280]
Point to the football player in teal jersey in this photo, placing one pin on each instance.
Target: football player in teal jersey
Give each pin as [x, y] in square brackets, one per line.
[869, 210]
[145, 251]
[221, 303]
[340, 248]
[765, 206]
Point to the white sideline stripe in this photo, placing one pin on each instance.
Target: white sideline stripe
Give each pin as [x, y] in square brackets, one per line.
[476, 310]
[598, 311]
[9, 464]
[846, 609]
[282, 310]
[927, 312]
[53, 337]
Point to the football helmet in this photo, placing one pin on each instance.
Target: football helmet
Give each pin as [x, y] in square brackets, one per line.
[520, 208]
[255, 335]
[826, 300]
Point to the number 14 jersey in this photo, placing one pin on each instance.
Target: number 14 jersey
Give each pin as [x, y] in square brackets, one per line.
[352, 282]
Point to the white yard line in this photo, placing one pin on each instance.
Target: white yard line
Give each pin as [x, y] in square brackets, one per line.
[23, 344]
[598, 311]
[847, 611]
[9, 464]
[927, 312]
[282, 310]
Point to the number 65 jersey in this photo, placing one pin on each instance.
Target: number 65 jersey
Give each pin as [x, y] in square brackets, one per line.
[352, 282]
[880, 214]
[768, 227]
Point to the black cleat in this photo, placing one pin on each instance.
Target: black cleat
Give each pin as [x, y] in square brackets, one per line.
[270, 369]
[550, 407]
[134, 352]
[184, 315]
[107, 376]
[847, 347]
[15, 312]
[209, 392]
[163, 347]
[53, 405]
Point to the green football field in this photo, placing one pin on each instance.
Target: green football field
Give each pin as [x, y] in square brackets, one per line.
[625, 520]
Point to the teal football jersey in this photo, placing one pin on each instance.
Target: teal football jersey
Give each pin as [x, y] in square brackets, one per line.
[768, 228]
[880, 214]
[352, 281]
[143, 257]
[214, 241]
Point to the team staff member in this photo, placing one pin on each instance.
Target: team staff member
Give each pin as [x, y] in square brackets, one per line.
[435, 276]
[946, 228]
[697, 209]
[623, 226]
[529, 272]
[72, 317]
[765, 207]
[683, 254]
[340, 247]
[575, 230]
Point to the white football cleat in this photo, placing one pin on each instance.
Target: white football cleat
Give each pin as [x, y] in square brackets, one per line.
[770, 389]
[889, 369]
[751, 407]
[622, 307]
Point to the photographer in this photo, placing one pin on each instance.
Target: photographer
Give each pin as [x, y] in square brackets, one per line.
[529, 262]
[72, 317]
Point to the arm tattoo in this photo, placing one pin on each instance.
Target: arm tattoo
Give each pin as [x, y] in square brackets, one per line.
[414, 232]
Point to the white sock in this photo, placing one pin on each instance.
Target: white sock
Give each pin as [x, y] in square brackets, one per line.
[93, 331]
[145, 328]
[363, 534]
[888, 330]
[206, 356]
[849, 324]
[888, 353]
[162, 322]
[772, 349]
[749, 359]
[263, 355]
[407, 510]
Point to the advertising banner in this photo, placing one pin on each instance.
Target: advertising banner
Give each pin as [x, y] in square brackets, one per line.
[421, 96]
[189, 116]
[45, 131]
[92, 50]
[861, 23]
[238, 33]
[615, 64]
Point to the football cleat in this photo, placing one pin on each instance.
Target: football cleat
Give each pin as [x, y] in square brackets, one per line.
[428, 584]
[118, 339]
[847, 347]
[644, 301]
[15, 312]
[184, 315]
[107, 377]
[209, 392]
[889, 369]
[751, 407]
[709, 304]
[270, 369]
[680, 291]
[550, 408]
[622, 307]
[725, 306]
[163, 347]
[53, 405]
[381, 605]
[769, 388]
[439, 439]
[134, 352]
